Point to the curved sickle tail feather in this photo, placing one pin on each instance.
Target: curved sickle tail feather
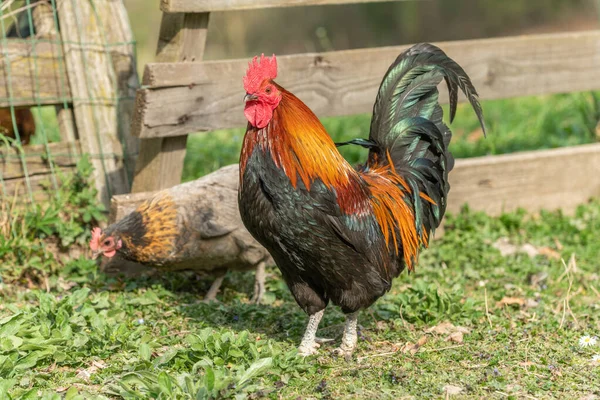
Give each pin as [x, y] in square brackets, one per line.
[407, 130]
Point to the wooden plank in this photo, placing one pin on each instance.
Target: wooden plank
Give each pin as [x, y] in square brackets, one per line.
[122, 54]
[186, 98]
[17, 187]
[534, 180]
[173, 6]
[33, 73]
[66, 124]
[63, 154]
[45, 27]
[160, 162]
[92, 82]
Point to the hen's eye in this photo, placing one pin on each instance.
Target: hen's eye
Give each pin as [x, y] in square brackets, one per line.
[268, 90]
[107, 242]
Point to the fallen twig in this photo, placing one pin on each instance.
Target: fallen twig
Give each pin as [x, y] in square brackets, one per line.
[444, 348]
[487, 310]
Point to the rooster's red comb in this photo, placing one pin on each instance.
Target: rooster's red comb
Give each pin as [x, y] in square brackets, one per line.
[258, 71]
[95, 242]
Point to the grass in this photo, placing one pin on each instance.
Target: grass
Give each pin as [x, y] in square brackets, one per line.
[78, 334]
[527, 123]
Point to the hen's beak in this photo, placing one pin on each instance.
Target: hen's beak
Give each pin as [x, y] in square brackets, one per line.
[96, 254]
[250, 97]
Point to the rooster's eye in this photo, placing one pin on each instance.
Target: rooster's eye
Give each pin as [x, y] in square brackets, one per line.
[107, 242]
[268, 90]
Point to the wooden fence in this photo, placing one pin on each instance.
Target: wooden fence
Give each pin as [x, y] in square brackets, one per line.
[181, 94]
[87, 70]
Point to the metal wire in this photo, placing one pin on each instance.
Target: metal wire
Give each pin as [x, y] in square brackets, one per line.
[42, 105]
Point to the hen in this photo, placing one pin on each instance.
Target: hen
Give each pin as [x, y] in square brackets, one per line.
[193, 226]
[337, 233]
[24, 124]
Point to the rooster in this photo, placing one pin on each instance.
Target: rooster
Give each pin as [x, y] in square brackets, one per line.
[182, 228]
[338, 233]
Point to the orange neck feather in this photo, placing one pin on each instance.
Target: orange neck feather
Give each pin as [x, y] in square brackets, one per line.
[303, 150]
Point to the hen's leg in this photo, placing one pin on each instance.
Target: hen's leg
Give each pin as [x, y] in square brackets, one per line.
[259, 283]
[211, 295]
[350, 337]
[308, 345]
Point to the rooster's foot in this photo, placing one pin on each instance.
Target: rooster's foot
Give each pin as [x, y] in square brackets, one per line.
[349, 338]
[308, 349]
[345, 352]
[309, 344]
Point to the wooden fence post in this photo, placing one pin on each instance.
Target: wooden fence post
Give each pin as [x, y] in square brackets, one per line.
[45, 27]
[160, 161]
[92, 81]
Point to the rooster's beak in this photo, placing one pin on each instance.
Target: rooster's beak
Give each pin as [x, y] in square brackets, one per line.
[250, 97]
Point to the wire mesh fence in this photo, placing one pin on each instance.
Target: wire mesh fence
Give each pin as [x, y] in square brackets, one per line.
[67, 86]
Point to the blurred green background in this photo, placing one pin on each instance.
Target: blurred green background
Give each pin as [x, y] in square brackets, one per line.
[515, 124]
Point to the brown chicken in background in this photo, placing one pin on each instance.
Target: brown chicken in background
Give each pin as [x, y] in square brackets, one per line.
[193, 226]
[24, 121]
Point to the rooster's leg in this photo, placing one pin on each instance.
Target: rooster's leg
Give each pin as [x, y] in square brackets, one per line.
[350, 337]
[259, 283]
[211, 295]
[309, 345]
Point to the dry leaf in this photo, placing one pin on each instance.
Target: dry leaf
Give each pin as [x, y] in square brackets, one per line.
[413, 348]
[530, 303]
[537, 279]
[549, 253]
[558, 244]
[381, 326]
[589, 397]
[452, 390]
[526, 363]
[456, 337]
[87, 373]
[506, 248]
[445, 328]
[507, 301]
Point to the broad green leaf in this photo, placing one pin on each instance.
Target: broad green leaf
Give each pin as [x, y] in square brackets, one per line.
[255, 369]
[209, 378]
[145, 352]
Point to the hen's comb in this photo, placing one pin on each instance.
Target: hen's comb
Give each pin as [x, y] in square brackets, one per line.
[95, 242]
[258, 71]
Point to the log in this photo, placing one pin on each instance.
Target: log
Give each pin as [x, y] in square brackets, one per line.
[185, 98]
